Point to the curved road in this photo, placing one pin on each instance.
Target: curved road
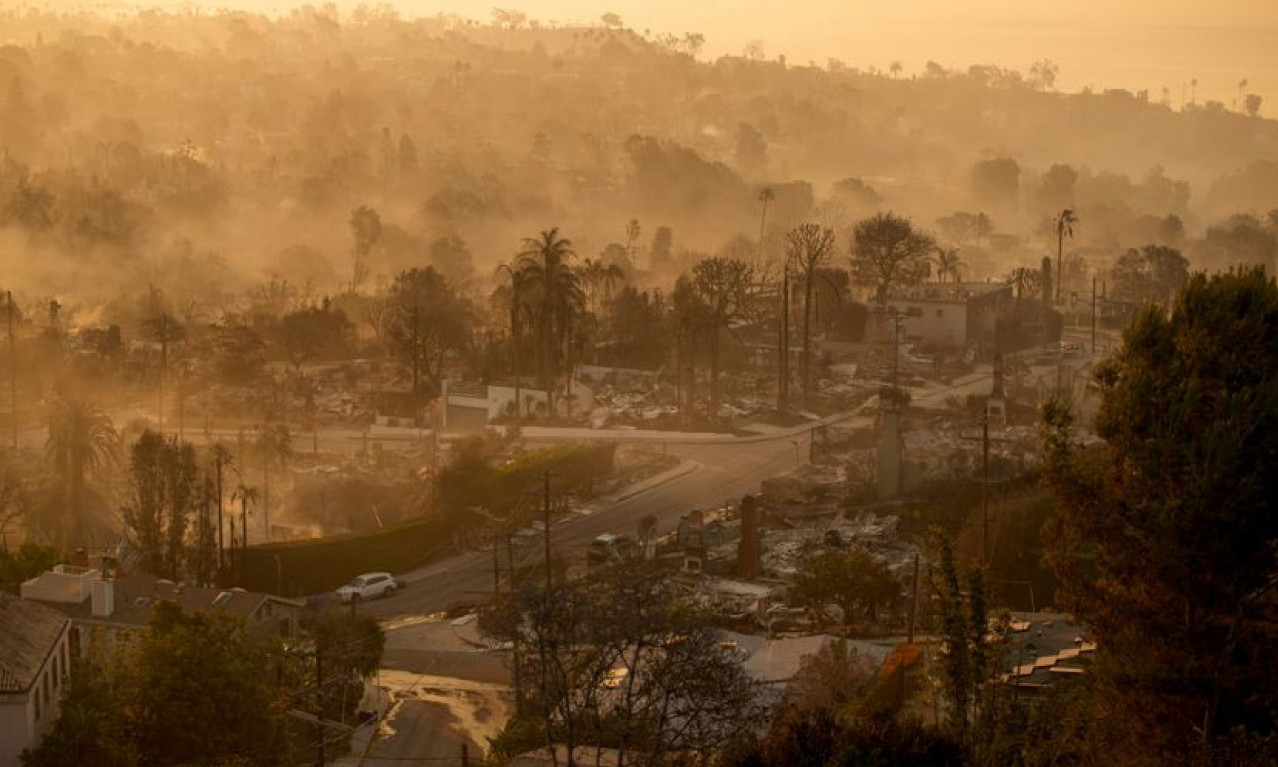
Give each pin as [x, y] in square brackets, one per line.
[712, 474]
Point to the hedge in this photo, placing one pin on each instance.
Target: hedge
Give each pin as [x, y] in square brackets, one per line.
[296, 568]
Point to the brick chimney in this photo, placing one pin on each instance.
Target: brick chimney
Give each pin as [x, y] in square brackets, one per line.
[750, 550]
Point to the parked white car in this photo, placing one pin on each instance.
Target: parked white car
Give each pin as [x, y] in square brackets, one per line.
[368, 586]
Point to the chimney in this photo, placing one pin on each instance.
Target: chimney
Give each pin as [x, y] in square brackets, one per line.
[749, 550]
[103, 598]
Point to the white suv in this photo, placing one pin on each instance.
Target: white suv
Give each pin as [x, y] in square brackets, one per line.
[368, 586]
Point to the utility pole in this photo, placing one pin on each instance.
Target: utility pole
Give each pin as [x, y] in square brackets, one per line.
[914, 600]
[164, 361]
[416, 355]
[1093, 314]
[13, 374]
[784, 340]
[496, 570]
[546, 512]
[914, 605]
[985, 485]
[985, 490]
[514, 646]
[218, 452]
[319, 693]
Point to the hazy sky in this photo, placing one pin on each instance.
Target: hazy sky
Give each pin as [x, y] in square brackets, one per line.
[1105, 43]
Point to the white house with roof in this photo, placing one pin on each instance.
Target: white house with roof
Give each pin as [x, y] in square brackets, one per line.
[35, 659]
[109, 610]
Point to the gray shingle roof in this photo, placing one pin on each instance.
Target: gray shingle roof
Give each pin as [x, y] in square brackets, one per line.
[136, 594]
[28, 633]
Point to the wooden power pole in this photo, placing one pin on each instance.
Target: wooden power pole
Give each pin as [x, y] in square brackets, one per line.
[13, 374]
[546, 513]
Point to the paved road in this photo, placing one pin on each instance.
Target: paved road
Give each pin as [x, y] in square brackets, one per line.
[423, 731]
[712, 475]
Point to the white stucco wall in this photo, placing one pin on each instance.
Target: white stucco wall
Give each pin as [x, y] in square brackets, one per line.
[19, 727]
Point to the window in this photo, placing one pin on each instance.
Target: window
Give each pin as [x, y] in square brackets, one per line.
[286, 627]
[914, 311]
[940, 312]
[266, 610]
[57, 670]
[38, 701]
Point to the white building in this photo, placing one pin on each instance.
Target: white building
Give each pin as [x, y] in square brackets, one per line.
[35, 659]
[108, 611]
[945, 316]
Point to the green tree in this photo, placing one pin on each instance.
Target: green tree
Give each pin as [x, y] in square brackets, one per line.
[350, 651]
[554, 292]
[853, 579]
[887, 253]
[198, 689]
[1166, 538]
[809, 248]
[968, 660]
[1153, 274]
[89, 730]
[166, 495]
[192, 690]
[314, 333]
[25, 563]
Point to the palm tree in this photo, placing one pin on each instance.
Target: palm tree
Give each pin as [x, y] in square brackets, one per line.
[1024, 282]
[809, 248]
[895, 68]
[275, 444]
[247, 496]
[518, 308]
[596, 273]
[1065, 221]
[947, 263]
[82, 441]
[609, 276]
[554, 291]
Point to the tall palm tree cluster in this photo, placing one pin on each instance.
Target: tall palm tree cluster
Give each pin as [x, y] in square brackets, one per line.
[547, 291]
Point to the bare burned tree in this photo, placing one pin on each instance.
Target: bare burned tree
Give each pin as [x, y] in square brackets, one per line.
[722, 284]
[619, 662]
[809, 247]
